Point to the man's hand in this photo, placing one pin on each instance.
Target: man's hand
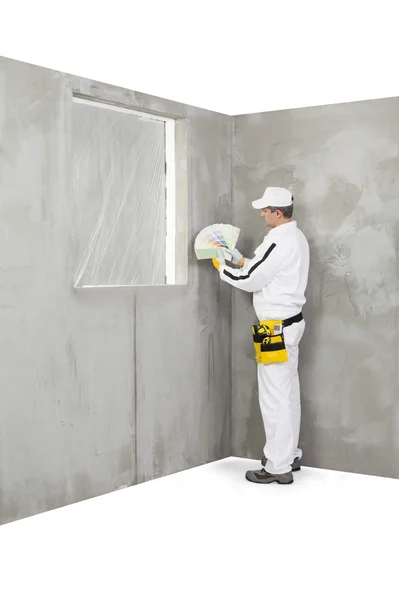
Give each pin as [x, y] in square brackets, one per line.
[236, 257]
[219, 261]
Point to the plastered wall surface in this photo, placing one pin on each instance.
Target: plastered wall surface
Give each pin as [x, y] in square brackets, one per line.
[343, 164]
[101, 388]
[105, 388]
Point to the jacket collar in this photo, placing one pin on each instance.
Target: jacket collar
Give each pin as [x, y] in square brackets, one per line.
[283, 229]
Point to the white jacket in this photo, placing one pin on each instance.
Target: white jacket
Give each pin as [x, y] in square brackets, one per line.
[277, 275]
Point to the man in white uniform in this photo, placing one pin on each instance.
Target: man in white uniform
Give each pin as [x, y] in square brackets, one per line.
[277, 276]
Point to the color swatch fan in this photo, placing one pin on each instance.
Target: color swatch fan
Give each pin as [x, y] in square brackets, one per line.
[215, 237]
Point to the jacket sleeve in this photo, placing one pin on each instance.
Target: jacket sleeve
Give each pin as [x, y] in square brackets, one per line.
[247, 262]
[257, 272]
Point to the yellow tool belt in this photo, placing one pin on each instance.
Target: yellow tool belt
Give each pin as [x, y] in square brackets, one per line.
[269, 342]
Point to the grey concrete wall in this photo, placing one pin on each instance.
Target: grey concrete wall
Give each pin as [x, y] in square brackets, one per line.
[93, 394]
[343, 163]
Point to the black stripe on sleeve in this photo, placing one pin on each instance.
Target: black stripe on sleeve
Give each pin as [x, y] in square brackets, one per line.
[252, 269]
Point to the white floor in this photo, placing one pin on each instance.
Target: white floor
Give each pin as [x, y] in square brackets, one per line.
[207, 533]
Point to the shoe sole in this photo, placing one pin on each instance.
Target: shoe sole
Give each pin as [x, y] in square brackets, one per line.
[268, 482]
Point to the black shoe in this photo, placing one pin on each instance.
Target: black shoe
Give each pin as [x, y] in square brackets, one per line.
[263, 476]
[296, 465]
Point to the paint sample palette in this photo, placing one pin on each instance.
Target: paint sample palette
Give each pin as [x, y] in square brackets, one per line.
[215, 237]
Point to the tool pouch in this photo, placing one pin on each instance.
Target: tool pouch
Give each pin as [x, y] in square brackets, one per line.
[269, 343]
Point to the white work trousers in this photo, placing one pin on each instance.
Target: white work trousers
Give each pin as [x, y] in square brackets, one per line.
[280, 405]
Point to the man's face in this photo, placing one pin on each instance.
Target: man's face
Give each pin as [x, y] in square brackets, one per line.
[271, 218]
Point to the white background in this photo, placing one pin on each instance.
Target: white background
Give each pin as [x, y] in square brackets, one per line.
[233, 57]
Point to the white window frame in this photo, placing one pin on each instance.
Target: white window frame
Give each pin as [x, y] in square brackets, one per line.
[170, 179]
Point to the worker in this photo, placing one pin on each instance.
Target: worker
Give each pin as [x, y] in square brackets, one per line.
[277, 276]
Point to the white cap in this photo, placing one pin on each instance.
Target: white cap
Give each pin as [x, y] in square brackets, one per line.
[274, 196]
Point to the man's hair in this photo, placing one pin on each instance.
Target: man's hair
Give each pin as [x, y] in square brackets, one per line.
[286, 210]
